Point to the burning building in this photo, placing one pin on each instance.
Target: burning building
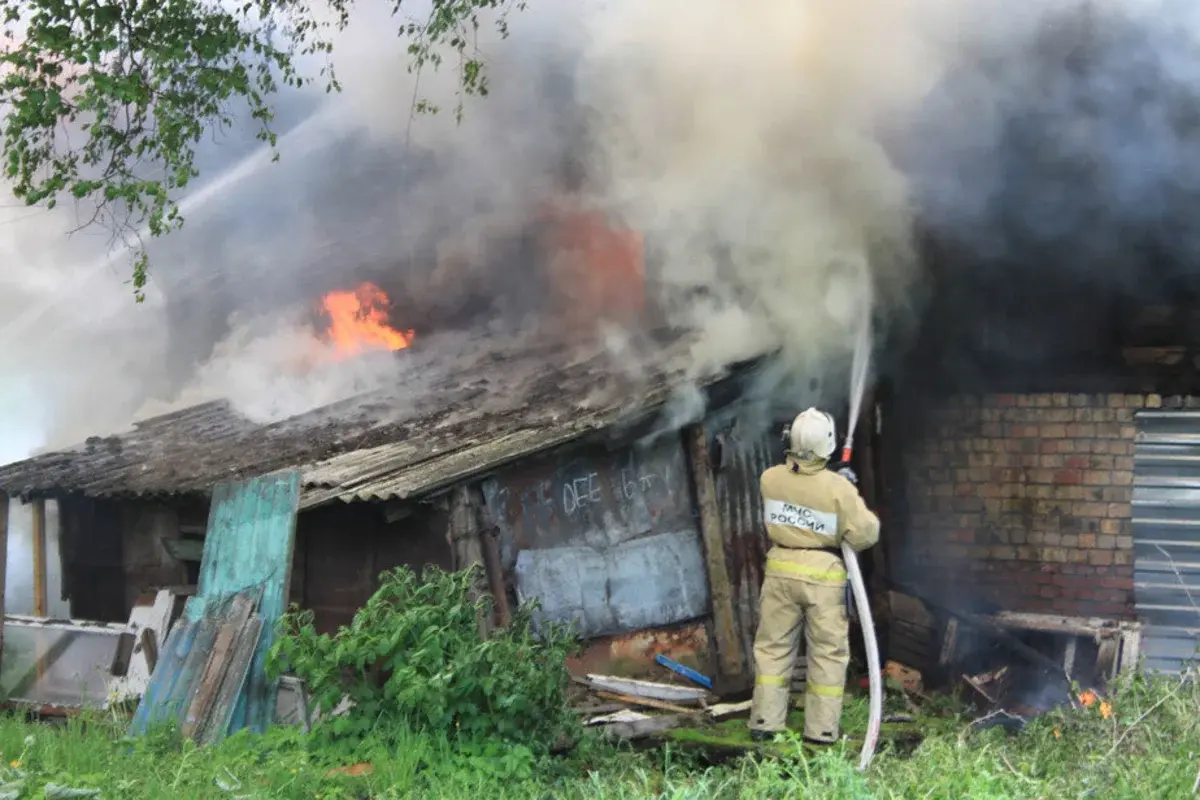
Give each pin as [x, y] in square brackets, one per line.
[1029, 441]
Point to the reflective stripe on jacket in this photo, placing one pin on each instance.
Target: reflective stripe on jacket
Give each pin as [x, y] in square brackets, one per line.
[806, 508]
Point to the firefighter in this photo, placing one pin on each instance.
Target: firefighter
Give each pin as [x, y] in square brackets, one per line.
[809, 511]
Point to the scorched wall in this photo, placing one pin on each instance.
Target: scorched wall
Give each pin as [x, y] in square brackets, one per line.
[1023, 502]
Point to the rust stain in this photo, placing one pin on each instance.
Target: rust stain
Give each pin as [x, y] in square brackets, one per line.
[632, 655]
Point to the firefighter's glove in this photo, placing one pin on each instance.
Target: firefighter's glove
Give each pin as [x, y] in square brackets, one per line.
[848, 474]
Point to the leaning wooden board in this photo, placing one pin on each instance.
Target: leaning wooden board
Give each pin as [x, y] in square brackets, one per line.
[221, 713]
[247, 550]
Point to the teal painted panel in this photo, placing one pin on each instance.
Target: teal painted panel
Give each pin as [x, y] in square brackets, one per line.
[249, 545]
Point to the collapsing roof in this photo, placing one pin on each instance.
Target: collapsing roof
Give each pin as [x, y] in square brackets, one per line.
[464, 406]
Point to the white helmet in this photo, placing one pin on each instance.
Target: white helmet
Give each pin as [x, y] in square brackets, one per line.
[812, 434]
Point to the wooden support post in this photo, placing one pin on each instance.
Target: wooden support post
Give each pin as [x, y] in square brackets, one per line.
[40, 606]
[39, 559]
[3, 560]
[495, 576]
[720, 590]
[466, 547]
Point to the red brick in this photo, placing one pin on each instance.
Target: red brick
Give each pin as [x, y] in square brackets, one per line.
[1049, 431]
[1068, 476]
[1100, 557]
[1097, 478]
[1117, 583]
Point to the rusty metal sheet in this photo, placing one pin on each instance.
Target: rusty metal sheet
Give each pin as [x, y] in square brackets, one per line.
[590, 498]
[632, 655]
[654, 580]
[606, 538]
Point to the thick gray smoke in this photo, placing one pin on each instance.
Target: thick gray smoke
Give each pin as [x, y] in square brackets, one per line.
[1055, 166]
[741, 147]
[771, 157]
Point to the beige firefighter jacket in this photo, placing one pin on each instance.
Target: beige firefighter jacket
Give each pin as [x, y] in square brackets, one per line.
[807, 507]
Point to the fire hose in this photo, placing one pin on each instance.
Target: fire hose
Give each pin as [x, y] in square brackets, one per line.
[858, 380]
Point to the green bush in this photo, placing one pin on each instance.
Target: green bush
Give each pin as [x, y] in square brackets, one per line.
[412, 659]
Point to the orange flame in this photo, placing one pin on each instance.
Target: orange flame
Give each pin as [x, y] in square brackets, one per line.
[358, 321]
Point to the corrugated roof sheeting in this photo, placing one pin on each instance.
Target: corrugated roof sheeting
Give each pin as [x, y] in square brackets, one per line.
[461, 414]
[388, 473]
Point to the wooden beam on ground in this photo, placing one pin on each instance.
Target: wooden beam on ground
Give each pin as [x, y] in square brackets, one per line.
[646, 702]
[720, 589]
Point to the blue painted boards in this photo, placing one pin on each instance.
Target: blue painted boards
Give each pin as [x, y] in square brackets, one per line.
[249, 544]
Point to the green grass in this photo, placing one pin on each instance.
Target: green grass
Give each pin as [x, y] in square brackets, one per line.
[1148, 747]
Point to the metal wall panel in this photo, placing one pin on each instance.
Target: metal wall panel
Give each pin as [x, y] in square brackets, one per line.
[656, 580]
[605, 538]
[1166, 531]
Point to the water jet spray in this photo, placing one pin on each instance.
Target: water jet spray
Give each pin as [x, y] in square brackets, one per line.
[860, 368]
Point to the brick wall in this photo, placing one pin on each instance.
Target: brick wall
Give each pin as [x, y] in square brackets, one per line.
[1024, 502]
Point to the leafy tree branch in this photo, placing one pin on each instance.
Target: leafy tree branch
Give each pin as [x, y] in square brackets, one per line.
[104, 101]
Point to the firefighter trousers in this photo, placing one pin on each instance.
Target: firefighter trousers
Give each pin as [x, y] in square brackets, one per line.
[787, 605]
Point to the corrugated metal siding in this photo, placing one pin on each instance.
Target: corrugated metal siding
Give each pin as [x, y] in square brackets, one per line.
[1166, 531]
[742, 460]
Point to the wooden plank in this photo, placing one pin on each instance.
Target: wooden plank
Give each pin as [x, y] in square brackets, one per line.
[641, 729]
[123, 655]
[723, 711]
[191, 669]
[234, 682]
[644, 702]
[162, 682]
[655, 691]
[999, 632]
[150, 648]
[720, 588]
[39, 559]
[621, 715]
[240, 609]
